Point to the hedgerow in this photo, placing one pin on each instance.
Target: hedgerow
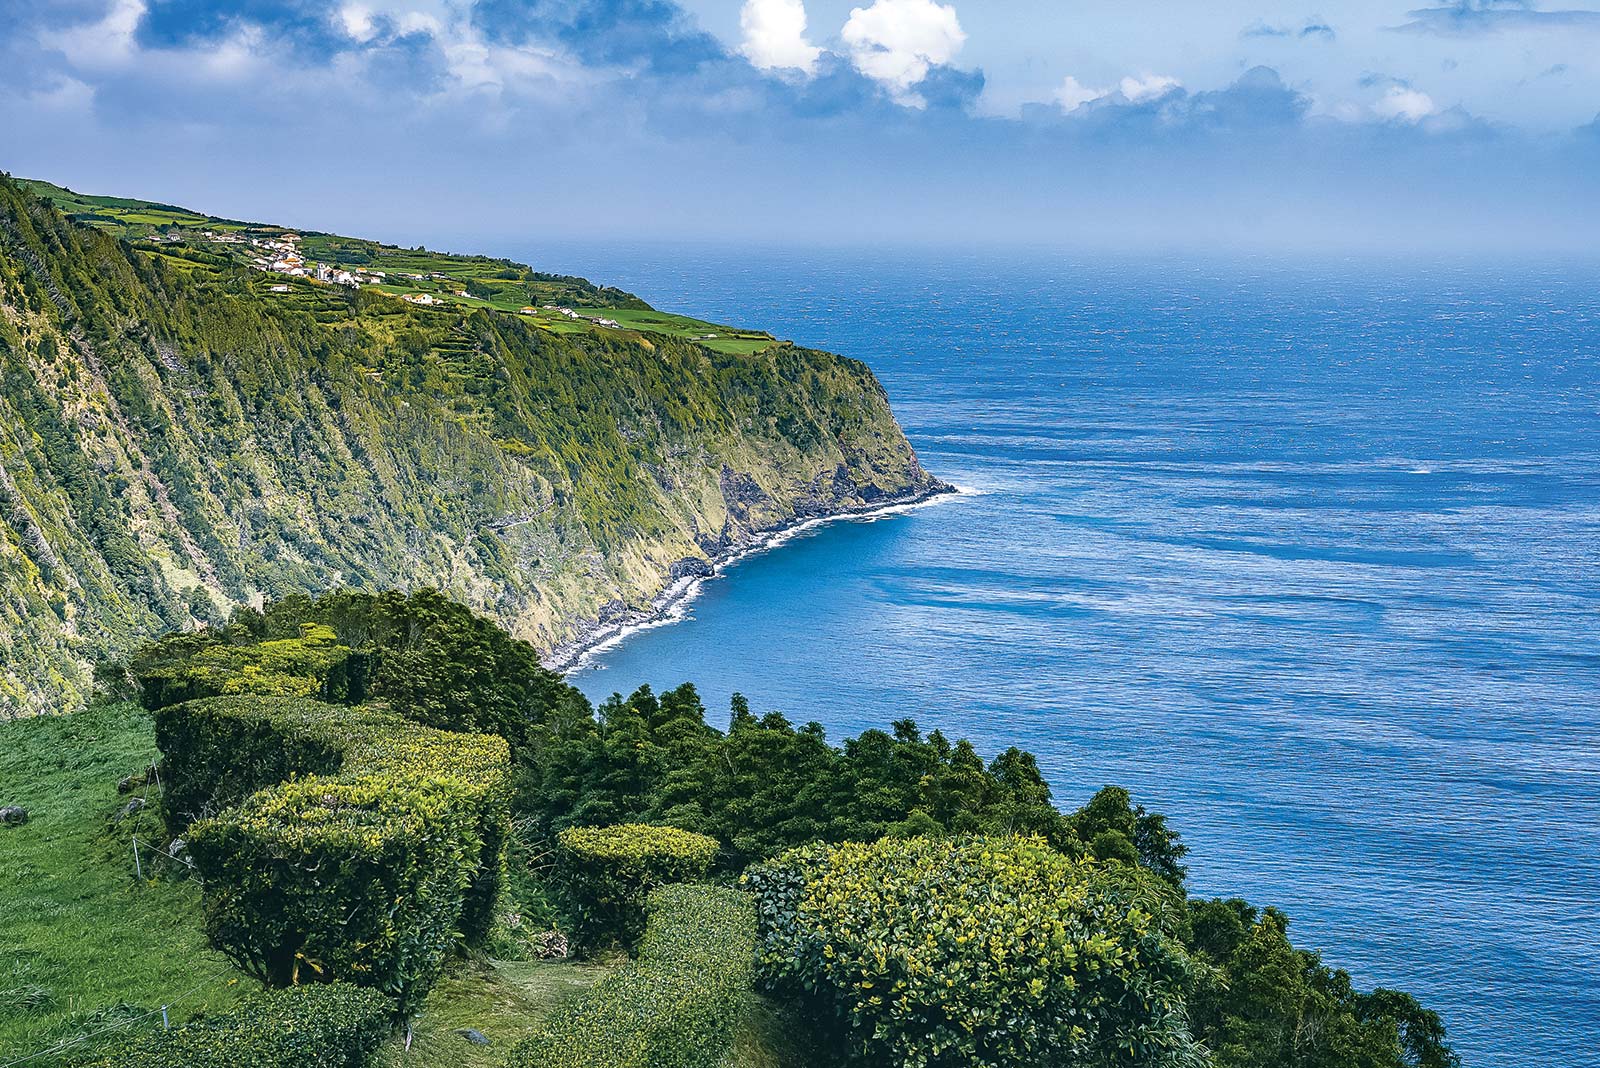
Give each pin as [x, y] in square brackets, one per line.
[325, 1026]
[381, 850]
[676, 1006]
[977, 953]
[609, 872]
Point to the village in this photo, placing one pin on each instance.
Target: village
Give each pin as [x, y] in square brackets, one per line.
[281, 254]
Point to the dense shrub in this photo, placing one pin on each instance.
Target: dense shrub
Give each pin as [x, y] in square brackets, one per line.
[384, 848]
[609, 872]
[430, 659]
[977, 953]
[191, 666]
[766, 785]
[326, 1026]
[677, 1006]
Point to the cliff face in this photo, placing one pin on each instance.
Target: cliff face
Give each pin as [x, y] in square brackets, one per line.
[176, 439]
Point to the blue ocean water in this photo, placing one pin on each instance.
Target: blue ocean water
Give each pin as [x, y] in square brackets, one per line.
[1303, 556]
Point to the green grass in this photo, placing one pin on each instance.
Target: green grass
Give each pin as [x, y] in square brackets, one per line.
[773, 1037]
[503, 1001]
[87, 948]
[81, 933]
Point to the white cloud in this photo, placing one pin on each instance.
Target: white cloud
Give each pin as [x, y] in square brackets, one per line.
[1150, 87]
[356, 19]
[101, 45]
[1073, 94]
[775, 35]
[1405, 104]
[895, 42]
[67, 95]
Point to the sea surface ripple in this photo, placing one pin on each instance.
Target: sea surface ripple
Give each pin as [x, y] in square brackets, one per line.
[1305, 556]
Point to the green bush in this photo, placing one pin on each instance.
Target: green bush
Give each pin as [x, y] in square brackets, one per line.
[977, 953]
[325, 1026]
[676, 1006]
[608, 873]
[195, 665]
[384, 847]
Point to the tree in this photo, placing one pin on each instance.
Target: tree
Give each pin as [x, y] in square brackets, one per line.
[1114, 828]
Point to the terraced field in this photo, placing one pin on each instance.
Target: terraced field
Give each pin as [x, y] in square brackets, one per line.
[197, 243]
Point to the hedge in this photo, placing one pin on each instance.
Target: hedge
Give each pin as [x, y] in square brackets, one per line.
[385, 846]
[608, 873]
[677, 1006]
[977, 953]
[325, 1026]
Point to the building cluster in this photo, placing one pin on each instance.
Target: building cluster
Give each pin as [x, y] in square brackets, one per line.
[280, 254]
[578, 316]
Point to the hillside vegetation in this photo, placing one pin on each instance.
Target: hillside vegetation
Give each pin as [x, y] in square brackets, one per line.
[895, 901]
[176, 440]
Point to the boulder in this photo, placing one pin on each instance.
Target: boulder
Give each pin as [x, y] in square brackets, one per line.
[13, 816]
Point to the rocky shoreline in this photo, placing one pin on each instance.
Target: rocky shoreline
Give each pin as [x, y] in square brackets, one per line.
[687, 575]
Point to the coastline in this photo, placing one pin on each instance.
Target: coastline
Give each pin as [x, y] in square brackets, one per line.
[668, 606]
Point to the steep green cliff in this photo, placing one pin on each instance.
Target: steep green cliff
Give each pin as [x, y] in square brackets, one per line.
[176, 438]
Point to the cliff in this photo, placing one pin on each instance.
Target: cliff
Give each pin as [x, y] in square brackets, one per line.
[180, 434]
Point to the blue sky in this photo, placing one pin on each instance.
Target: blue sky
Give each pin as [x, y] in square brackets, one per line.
[1365, 125]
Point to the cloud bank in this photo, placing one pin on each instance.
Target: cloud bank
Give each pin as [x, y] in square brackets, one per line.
[499, 119]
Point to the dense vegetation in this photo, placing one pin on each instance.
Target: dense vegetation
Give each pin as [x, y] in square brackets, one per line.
[978, 953]
[176, 440]
[608, 873]
[325, 1026]
[348, 843]
[676, 1006]
[917, 862]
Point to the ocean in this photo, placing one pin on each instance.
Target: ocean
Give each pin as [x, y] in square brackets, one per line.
[1302, 555]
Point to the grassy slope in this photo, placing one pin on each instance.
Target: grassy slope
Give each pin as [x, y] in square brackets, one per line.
[82, 934]
[140, 220]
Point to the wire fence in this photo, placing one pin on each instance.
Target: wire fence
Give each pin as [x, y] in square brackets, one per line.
[152, 780]
[119, 1025]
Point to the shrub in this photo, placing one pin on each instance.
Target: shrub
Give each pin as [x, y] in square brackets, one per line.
[191, 666]
[325, 1026]
[676, 1006]
[384, 847]
[609, 872]
[978, 953]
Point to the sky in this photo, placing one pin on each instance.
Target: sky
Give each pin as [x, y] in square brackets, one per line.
[1461, 126]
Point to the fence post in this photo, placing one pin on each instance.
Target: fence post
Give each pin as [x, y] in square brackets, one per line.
[164, 1021]
[137, 867]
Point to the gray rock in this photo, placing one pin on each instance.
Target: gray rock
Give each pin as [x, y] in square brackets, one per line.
[477, 1038]
[13, 816]
[133, 782]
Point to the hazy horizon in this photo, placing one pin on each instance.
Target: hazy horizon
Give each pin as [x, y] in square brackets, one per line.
[1464, 127]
